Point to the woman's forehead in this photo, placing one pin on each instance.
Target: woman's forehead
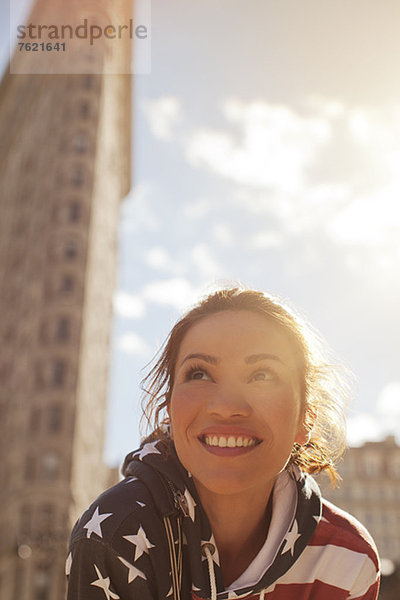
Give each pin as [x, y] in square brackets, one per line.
[235, 334]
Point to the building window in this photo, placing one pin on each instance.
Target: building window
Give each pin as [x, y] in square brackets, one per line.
[80, 142]
[50, 465]
[347, 467]
[372, 464]
[58, 373]
[26, 519]
[63, 330]
[35, 420]
[394, 466]
[67, 284]
[84, 110]
[78, 177]
[88, 82]
[74, 212]
[54, 422]
[70, 250]
[42, 584]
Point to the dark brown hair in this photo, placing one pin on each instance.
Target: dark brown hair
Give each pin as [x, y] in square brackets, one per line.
[324, 391]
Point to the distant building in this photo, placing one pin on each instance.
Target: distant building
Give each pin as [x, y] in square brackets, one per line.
[370, 490]
[64, 167]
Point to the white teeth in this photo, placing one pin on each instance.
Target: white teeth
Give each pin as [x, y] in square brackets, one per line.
[229, 442]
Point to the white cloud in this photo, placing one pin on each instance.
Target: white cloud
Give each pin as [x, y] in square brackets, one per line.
[132, 343]
[158, 258]
[364, 427]
[223, 234]
[277, 145]
[176, 292]
[198, 208]
[377, 127]
[127, 305]
[388, 404]
[267, 239]
[204, 262]
[372, 215]
[137, 213]
[375, 426]
[326, 107]
[372, 219]
[163, 115]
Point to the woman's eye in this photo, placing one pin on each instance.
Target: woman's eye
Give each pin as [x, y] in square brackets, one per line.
[262, 376]
[197, 374]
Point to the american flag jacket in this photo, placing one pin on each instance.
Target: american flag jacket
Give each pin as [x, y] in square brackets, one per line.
[148, 538]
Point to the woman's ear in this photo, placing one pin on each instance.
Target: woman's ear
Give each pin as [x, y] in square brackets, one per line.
[305, 427]
[303, 435]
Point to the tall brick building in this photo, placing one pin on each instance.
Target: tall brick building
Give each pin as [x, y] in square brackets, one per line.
[64, 168]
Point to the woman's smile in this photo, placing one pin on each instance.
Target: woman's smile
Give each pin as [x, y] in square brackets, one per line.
[228, 442]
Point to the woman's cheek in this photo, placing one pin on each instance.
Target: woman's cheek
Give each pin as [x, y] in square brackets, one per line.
[182, 409]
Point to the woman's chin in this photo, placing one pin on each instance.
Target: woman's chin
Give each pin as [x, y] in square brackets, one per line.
[222, 483]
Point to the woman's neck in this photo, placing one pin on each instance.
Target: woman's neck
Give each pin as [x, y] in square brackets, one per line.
[240, 525]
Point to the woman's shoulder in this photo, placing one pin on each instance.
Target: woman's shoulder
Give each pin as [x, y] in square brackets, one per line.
[117, 544]
[340, 528]
[125, 505]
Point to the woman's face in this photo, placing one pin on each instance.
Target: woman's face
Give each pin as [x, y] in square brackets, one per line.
[235, 407]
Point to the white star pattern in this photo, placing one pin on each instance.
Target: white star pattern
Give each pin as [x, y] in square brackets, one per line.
[68, 564]
[191, 503]
[94, 524]
[104, 584]
[324, 519]
[133, 572]
[149, 448]
[140, 541]
[215, 556]
[317, 518]
[291, 539]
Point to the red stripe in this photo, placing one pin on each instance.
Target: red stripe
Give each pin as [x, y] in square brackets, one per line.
[309, 591]
[343, 530]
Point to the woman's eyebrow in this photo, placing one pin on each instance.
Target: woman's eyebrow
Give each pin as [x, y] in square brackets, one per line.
[213, 360]
[207, 357]
[253, 358]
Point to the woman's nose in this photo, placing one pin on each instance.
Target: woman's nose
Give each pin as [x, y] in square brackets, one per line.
[228, 402]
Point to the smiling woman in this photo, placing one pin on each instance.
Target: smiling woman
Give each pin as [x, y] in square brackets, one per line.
[219, 501]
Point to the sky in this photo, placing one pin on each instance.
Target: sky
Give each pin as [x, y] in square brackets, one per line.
[266, 151]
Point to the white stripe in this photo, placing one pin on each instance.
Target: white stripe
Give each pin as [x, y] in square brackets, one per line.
[333, 565]
[363, 583]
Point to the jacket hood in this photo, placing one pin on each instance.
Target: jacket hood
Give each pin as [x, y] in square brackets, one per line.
[157, 465]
